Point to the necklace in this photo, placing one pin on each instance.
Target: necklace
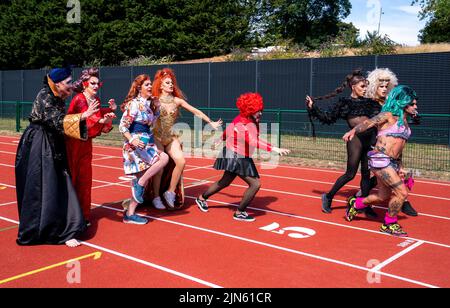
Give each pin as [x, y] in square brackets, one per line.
[90, 100]
[166, 99]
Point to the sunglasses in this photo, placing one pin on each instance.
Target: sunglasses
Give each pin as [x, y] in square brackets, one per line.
[85, 84]
[384, 80]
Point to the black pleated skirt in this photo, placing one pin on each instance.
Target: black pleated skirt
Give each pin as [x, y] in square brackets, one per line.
[235, 163]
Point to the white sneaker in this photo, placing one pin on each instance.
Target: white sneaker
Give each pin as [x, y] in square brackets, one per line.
[157, 203]
[170, 198]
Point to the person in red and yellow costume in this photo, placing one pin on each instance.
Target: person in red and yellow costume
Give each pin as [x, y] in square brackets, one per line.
[79, 152]
[241, 139]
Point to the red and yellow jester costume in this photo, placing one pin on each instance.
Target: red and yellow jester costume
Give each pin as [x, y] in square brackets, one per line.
[79, 153]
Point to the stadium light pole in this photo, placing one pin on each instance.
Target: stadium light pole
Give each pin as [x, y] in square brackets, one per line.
[379, 20]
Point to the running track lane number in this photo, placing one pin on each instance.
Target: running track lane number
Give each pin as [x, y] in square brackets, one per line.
[294, 232]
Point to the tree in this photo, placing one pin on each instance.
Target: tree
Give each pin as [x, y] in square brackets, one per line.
[306, 22]
[36, 33]
[375, 44]
[437, 28]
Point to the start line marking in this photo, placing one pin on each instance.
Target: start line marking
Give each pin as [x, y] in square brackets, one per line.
[96, 256]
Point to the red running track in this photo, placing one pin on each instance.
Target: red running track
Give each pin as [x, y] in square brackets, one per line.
[291, 243]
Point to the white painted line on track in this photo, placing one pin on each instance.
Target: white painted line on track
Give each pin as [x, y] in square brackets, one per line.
[396, 256]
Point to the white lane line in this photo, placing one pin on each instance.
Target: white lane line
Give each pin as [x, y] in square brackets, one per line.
[102, 158]
[259, 163]
[9, 220]
[308, 196]
[204, 181]
[6, 152]
[196, 168]
[8, 203]
[396, 256]
[111, 184]
[108, 167]
[7, 185]
[9, 143]
[128, 257]
[262, 174]
[153, 265]
[329, 260]
[285, 214]
[320, 221]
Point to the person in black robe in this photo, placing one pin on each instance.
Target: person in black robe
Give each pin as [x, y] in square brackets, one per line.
[49, 212]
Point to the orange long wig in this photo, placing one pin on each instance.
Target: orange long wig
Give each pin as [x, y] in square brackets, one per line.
[160, 75]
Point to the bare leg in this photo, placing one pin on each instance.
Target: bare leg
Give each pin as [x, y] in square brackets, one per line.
[157, 183]
[390, 178]
[154, 169]
[361, 203]
[132, 207]
[175, 152]
[383, 194]
[157, 177]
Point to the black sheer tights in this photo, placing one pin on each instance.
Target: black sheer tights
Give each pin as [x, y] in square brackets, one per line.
[228, 177]
[357, 150]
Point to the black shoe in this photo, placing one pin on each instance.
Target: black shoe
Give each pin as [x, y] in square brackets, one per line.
[202, 205]
[243, 216]
[370, 213]
[326, 204]
[408, 209]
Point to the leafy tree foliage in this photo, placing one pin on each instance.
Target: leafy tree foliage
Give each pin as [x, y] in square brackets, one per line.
[437, 29]
[35, 34]
[306, 22]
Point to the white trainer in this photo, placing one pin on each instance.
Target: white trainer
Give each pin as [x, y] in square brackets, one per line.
[158, 204]
[170, 198]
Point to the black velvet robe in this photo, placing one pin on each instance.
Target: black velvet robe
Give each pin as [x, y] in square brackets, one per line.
[49, 211]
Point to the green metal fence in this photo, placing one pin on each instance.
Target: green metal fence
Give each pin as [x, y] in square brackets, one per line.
[428, 149]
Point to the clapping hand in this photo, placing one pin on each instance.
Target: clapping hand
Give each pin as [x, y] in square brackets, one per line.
[107, 118]
[92, 109]
[112, 104]
[281, 151]
[349, 135]
[217, 124]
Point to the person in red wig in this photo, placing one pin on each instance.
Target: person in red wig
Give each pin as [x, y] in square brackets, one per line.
[79, 152]
[241, 139]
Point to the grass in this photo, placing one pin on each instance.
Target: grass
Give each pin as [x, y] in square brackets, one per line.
[335, 52]
[424, 48]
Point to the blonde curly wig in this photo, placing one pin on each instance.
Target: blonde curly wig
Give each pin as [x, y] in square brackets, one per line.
[374, 81]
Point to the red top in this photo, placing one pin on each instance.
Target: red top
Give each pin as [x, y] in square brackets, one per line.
[79, 104]
[242, 137]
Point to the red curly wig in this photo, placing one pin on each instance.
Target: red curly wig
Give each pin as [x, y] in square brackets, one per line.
[249, 103]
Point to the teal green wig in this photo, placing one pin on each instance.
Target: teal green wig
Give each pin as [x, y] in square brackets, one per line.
[398, 99]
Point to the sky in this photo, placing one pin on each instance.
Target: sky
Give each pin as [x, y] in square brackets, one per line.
[399, 20]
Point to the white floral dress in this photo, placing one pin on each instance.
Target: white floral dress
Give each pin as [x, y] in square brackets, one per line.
[137, 119]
